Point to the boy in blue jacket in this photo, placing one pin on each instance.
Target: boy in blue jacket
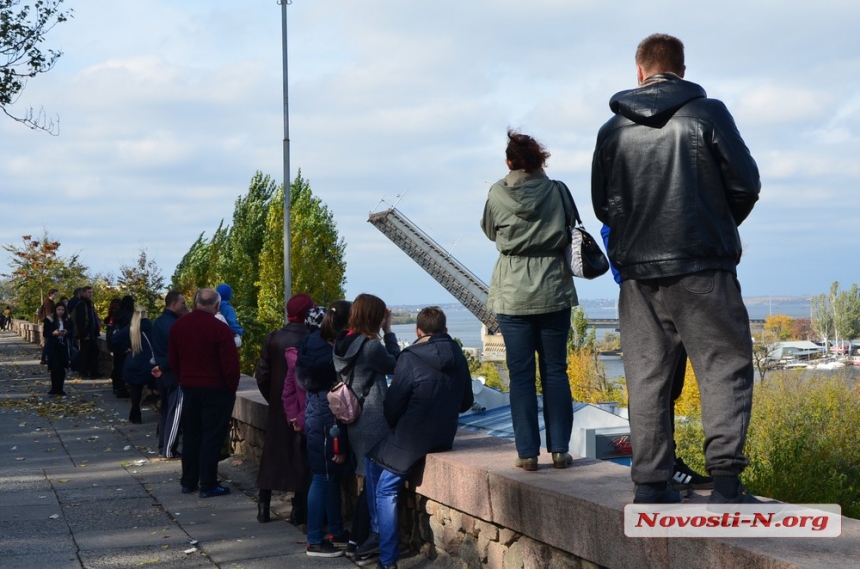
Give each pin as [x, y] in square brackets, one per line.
[431, 387]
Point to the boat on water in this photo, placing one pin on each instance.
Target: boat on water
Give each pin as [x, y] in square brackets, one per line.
[830, 364]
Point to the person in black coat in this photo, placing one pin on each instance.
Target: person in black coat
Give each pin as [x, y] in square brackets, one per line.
[135, 340]
[58, 332]
[431, 387]
[327, 444]
[120, 319]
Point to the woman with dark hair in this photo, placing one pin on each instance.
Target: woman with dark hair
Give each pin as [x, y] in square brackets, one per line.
[532, 292]
[121, 318]
[59, 335]
[365, 359]
[328, 448]
[135, 340]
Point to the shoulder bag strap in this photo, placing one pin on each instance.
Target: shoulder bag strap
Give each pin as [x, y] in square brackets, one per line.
[575, 213]
[148, 342]
[366, 390]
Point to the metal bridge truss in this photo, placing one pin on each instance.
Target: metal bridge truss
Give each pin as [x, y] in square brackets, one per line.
[439, 264]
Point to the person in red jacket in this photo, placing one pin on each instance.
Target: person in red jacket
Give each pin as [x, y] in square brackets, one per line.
[203, 356]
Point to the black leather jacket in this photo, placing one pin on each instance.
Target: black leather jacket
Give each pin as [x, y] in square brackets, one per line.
[673, 180]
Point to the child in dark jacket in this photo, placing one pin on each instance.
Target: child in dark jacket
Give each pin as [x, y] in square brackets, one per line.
[431, 387]
[328, 448]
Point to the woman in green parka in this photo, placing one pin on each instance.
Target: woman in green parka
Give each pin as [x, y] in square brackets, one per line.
[532, 292]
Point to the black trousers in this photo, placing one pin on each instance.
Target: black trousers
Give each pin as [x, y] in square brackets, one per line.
[58, 379]
[171, 414]
[206, 416]
[88, 358]
[136, 393]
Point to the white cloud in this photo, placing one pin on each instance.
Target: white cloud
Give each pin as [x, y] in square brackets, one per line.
[168, 108]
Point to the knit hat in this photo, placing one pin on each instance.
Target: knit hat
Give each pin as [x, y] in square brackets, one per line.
[314, 319]
[298, 306]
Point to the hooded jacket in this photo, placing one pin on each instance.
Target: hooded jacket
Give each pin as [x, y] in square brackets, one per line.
[525, 217]
[315, 374]
[368, 362]
[673, 180]
[225, 291]
[431, 387]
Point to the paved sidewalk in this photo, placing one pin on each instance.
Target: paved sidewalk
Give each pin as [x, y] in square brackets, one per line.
[80, 486]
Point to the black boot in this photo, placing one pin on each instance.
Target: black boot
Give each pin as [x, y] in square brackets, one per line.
[264, 499]
[263, 513]
[299, 511]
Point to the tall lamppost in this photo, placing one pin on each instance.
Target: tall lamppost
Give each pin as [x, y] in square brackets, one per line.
[287, 235]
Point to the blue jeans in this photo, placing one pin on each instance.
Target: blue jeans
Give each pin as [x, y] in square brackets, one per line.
[382, 489]
[324, 507]
[546, 335]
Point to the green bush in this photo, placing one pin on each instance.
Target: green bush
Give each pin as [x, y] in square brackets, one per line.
[802, 441]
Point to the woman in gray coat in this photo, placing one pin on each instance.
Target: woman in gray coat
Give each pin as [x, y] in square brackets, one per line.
[359, 354]
[532, 292]
[360, 358]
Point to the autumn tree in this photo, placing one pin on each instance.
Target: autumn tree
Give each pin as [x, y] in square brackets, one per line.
[822, 316]
[801, 329]
[317, 265]
[846, 311]
[143, 281]
[22, 31]
[688, 434]
[585, 372]
[36, 266]
[837, 313]
[249, 255]
[779, 326]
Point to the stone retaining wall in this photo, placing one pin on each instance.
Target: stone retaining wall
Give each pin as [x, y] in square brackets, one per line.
[470, 507]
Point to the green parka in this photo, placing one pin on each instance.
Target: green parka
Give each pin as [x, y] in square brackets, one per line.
[524, 215]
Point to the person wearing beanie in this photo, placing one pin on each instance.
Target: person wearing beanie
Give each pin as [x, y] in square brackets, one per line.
[283, 465]
[227, 310]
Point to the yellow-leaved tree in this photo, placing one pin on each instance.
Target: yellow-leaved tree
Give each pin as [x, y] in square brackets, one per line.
[585, 372]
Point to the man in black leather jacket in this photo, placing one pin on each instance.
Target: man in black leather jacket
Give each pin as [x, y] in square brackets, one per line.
[673, 180]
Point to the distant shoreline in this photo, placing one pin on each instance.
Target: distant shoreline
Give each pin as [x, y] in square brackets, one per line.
[610, 302]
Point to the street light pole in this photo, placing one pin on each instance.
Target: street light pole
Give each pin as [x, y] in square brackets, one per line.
[287, 235]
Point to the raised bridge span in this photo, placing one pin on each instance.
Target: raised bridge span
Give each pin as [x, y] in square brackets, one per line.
[462, 283]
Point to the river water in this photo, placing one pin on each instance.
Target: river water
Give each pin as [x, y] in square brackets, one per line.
[463, 325]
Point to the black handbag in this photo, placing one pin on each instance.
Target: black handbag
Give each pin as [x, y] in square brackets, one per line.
[583, 255]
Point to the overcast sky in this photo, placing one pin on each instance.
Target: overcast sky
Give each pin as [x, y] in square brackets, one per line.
[168, 109]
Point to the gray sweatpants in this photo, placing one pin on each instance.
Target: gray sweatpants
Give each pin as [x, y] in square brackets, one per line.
[704, 313]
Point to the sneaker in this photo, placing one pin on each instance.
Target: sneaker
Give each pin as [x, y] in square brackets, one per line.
[350, 549]
[371, 559]
[341, 540]
[214, 492]
[369, 547]
[741, 497]
[656, 494]
[685, 477]
[324, 549]
[189, 489]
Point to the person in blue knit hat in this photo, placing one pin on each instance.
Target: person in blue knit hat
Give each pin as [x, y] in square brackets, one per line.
[227, 310]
